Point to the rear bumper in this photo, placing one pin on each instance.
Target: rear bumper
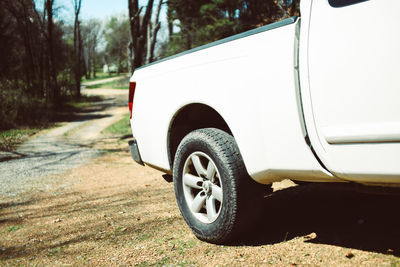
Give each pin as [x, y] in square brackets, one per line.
[133, 147]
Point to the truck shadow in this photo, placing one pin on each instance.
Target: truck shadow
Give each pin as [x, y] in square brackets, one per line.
[329, 214]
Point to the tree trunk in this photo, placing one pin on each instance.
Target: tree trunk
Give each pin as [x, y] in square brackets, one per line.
[89, 64]
[80, 59]
[148, 45]
[130, 59]
[170, 22]
[154, 27]
[94, 62]
[52, 65]
[138, 30]
[77, 49]
[86, 63]
[119, 61]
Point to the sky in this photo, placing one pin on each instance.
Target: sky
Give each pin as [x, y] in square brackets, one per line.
[101, 9]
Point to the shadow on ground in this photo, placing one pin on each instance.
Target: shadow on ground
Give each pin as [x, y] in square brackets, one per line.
[95, 104]
[337, 214]
[118, 214]
[75, 219]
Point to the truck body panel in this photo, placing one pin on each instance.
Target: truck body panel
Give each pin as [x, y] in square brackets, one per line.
[312, 99]
[250, 83]
[352, 106]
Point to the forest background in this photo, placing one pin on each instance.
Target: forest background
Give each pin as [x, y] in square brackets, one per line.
[44, 56]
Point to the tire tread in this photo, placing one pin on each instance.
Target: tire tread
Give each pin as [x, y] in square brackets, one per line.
[243, 190]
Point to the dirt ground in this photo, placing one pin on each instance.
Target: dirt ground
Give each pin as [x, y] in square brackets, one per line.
[113, 212]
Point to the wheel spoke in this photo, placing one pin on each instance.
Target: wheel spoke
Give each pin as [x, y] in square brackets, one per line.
[210, 171]
[211, 210]
[217, 192]
[198, 166]
[198, 202]
[202, 187]
[192, 181]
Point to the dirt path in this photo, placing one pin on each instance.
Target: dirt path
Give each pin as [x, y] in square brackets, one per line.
[117, 213]
[105, 210]
[61, 148]
[103, 81]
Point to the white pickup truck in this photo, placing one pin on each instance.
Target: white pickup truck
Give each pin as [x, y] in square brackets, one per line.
[313, 98]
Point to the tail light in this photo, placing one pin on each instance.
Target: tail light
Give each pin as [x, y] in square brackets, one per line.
[132, 87]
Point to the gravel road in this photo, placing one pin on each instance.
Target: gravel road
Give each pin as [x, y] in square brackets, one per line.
[61, 148]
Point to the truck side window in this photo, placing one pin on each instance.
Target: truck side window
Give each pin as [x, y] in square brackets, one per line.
[343, 3]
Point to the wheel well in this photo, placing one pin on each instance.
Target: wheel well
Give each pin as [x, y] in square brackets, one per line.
[190, 118]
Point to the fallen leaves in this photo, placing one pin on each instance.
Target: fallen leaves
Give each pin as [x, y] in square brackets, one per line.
[310, 236]
[349, 255]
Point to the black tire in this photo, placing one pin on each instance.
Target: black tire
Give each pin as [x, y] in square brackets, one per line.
[241, 196]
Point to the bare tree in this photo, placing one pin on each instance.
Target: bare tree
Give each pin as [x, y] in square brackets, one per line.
[77, 48]
[139, 28]
[116, 36]
[91, 31]
[52, 77]
[153, 28]
[37, 60]
[170, 21]
[21, 11]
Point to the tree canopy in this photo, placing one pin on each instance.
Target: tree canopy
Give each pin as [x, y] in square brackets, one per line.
[117, 38]
[203, 21]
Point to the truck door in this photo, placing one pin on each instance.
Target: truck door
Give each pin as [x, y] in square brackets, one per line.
[354, 83]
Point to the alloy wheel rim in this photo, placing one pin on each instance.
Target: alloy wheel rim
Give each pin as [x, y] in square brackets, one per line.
[202, 187]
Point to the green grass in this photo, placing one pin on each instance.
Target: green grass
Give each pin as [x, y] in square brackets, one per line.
[99, 76]
[122, 83]
[163, 261]
[120, 127]
[11, 138]
[14, 228]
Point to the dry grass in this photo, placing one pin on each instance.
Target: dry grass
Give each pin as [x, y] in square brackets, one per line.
[119, 213]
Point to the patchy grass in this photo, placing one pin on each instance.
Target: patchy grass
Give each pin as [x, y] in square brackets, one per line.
[51, 117]
[15, 228]
[10, 139]
[119, 128]
[99, 76]
[122, 83]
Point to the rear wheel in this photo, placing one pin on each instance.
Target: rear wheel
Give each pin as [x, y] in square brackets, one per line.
[215, 195]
